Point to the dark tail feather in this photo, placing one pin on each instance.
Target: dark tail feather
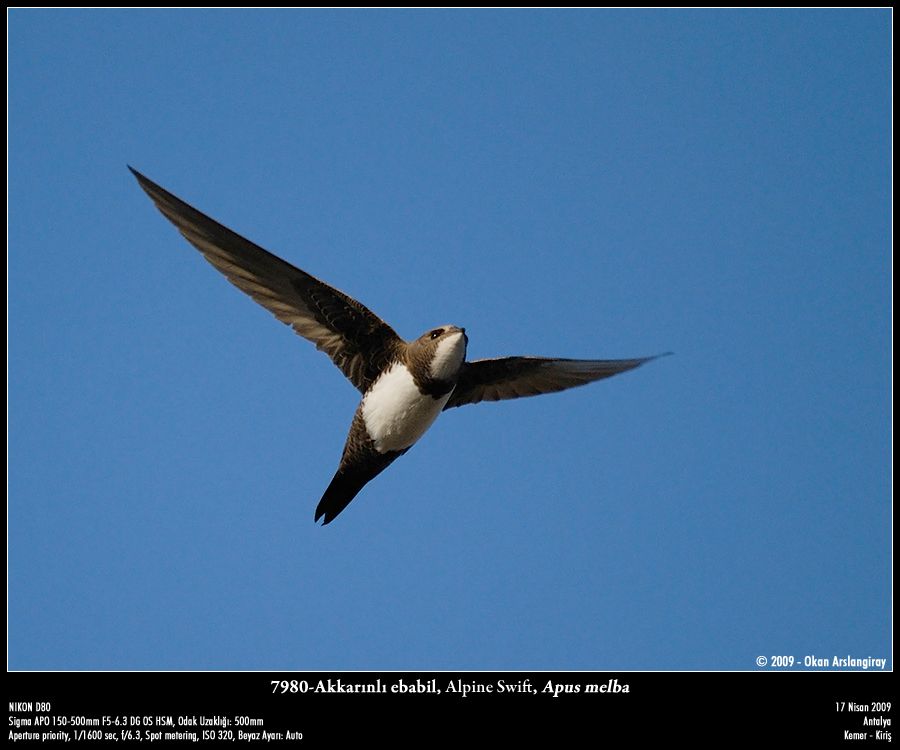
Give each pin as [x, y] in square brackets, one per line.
[348, 482]
[343, 488]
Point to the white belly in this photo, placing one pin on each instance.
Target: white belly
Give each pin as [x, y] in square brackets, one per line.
[395, 413]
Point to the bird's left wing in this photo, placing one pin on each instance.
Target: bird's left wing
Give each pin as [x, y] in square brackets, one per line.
[354, 337]
[516, 377]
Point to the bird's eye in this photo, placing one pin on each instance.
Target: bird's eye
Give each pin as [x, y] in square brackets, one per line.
[436, 332]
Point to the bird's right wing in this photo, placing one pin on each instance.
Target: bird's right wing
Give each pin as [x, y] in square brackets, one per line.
[343, 328]
[517, 377]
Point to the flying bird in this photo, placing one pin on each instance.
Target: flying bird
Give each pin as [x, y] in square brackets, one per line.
[405, 385]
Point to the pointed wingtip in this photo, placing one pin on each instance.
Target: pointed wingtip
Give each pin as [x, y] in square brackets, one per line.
[142, 181]
[645, 360]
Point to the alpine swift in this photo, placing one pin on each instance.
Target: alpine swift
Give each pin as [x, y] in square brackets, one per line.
[405, 385]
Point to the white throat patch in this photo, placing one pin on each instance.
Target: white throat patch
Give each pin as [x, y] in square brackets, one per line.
[448, 356]
[395, 413]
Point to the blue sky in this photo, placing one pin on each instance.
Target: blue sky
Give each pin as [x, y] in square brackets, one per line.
[562, 183]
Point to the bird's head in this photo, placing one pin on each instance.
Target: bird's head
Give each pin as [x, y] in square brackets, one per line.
[444, 349]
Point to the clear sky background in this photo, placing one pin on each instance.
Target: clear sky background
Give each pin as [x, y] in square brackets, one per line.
[573, 183]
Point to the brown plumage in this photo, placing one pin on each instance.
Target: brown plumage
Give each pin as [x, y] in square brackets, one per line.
[404, 385]
[517, 377]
